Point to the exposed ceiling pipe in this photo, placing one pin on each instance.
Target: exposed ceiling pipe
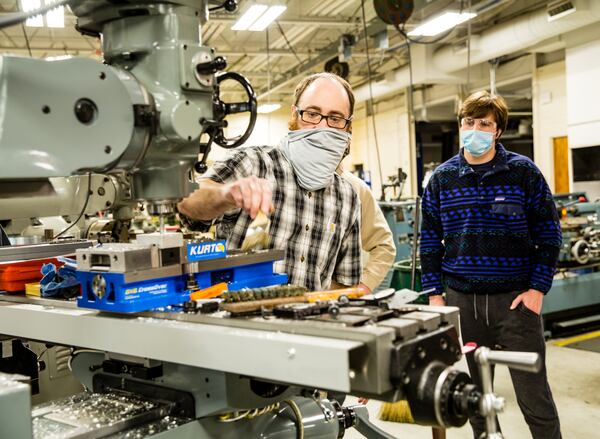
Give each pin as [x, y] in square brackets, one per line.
[493, 69]
[320, 20]
[291, 34]
[506, 38]
[278, 53]
[324, 54]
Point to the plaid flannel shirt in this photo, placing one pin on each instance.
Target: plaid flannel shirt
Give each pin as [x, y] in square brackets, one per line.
[319, 231]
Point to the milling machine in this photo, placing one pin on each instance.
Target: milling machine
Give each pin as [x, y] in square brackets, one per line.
[130, 130]
[122, 131]
[209, 375]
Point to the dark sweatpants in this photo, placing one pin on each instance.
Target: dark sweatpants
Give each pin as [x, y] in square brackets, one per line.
[490, 322]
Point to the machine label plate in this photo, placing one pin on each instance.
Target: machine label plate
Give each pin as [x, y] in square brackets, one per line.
[161, 288]
[206, 250]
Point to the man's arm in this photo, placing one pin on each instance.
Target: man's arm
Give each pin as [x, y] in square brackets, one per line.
[228, 184]
[375, 234]
[378, 241]
[337, 286]
[348, 265]
[213, 199]
[544, 226]
[431, 247]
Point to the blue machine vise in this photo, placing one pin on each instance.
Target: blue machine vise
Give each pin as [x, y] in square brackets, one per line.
[241, 270]
[138, 277]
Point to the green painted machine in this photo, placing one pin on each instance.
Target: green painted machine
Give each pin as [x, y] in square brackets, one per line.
[115, 133]
[574, 300]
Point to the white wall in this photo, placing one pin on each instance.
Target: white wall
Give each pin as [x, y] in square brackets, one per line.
[583, 96]
[583, 87]
[549, 89]
[268, 130]
[392, 120]
[394, 145]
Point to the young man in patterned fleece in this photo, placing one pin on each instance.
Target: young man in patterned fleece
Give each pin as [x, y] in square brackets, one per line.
[491, 235]
[315, 213]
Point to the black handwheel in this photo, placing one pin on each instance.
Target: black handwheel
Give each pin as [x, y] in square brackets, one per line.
[222, 109]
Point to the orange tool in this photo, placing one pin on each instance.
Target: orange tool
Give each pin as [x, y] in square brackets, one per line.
[210, 292]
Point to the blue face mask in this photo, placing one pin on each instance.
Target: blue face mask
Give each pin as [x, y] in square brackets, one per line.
[475, 142]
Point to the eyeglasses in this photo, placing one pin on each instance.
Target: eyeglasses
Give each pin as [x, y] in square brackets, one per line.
[333, 121]
[483, 124]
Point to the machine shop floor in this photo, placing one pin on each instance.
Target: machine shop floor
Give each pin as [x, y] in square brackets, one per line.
[586, 342]
[575, 381]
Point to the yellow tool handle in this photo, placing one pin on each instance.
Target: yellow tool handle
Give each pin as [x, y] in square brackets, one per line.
[351, 293]
[210, 292]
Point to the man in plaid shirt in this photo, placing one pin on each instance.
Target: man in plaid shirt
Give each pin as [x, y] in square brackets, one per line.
[315, 214]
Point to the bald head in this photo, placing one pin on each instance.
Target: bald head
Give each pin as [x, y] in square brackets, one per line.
[323, 93]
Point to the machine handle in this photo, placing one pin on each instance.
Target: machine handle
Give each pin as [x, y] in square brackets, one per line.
[364, 426]
[525, 361]
[491, 404]
[222, 109]
[212, 67]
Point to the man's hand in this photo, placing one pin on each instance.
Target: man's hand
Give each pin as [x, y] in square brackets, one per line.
[532, 299]
[364, 288]
[338, 286]
[437, 300]
[250, 194]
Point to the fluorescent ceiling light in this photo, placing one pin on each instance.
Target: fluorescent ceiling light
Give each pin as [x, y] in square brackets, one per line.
[249, 17]
[441, 23]
[258, 17]
[30, 5]
[268, 108]
[267, 18]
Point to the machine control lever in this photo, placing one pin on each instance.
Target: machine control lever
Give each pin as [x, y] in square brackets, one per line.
[211, 67]
[361, 422]
[525, 361]
[491, 404]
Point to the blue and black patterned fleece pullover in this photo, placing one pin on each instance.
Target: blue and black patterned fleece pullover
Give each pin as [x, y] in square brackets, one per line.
[491, 233]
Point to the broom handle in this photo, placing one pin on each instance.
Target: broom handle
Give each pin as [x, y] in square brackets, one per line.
[416, 221]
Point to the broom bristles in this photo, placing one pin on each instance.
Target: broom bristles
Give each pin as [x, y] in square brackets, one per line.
[257, 235]
[396, 412]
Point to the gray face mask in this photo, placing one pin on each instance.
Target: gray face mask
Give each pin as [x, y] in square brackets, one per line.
[315, 154]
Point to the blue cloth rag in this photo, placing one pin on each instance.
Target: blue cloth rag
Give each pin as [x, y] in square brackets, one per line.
[58, 283]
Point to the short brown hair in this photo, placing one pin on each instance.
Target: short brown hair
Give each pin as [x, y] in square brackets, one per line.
[482, 103]
[303, 85]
